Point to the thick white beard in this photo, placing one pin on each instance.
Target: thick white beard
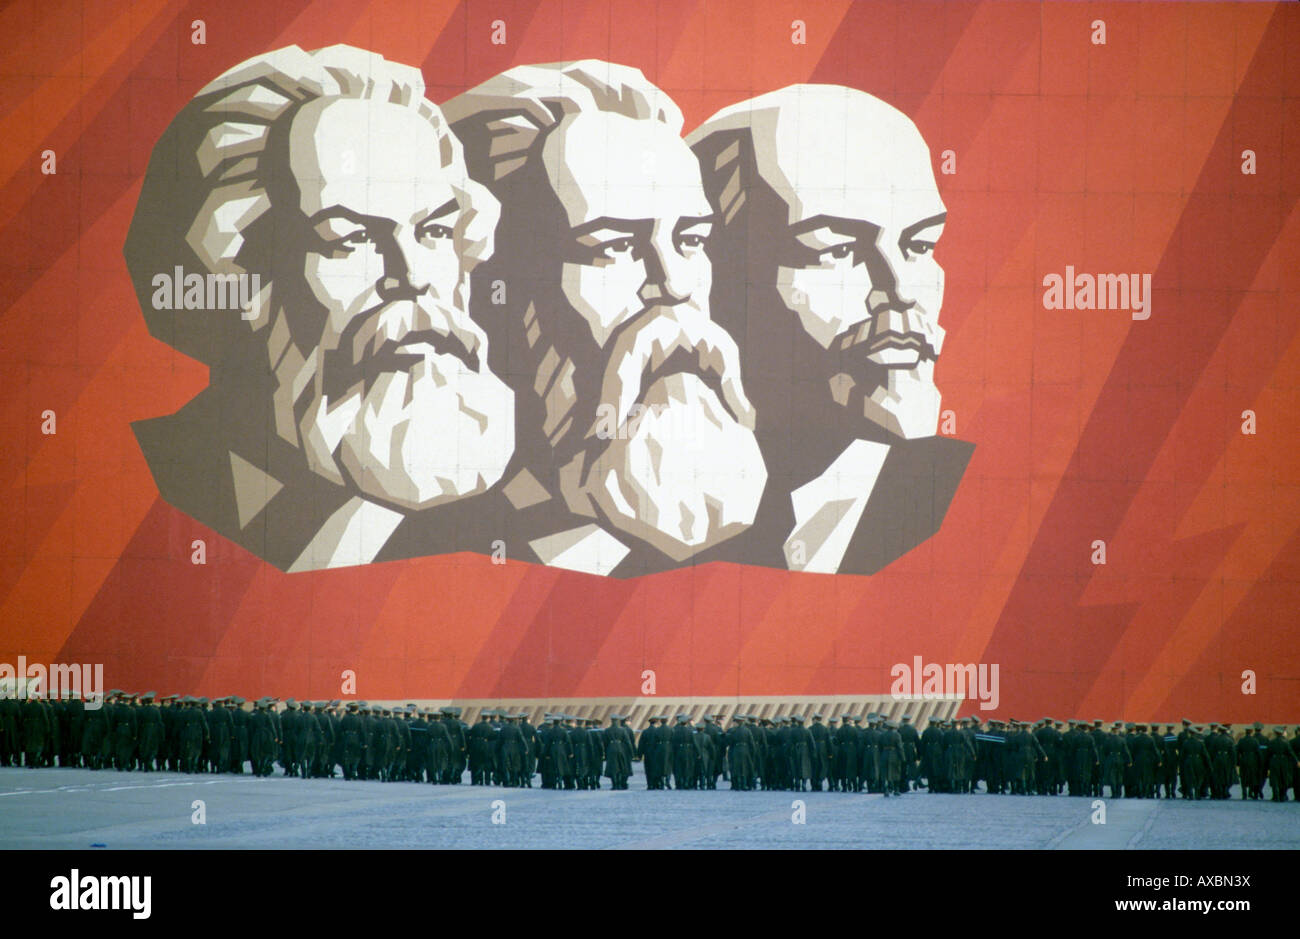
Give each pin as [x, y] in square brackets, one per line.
[685, 476]
[418, 438]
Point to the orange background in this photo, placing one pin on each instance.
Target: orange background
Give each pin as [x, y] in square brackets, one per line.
[1124, 157]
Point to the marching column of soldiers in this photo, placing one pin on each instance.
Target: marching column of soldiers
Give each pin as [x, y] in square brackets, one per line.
[394, 743]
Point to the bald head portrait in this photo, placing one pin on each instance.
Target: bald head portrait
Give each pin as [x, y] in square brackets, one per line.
[826, 273]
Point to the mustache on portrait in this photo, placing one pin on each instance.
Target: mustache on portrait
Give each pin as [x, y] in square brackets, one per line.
[891, 327]
[667, 340]
[379, 340]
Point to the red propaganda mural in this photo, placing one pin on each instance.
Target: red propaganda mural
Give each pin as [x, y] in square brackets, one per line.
[510, 350]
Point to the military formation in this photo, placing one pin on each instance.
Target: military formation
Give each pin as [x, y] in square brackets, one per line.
[849, 753]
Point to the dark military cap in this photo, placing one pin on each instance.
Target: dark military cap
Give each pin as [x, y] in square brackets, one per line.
[906, 718]
[1186, 722]
[1258, 725]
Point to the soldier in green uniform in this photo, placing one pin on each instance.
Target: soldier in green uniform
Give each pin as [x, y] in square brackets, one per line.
[221, 727]
[891, 759]
[847, 757]
[124, 732]
[11, 742]
[1146, 762]
[92, 735]
[529, 734]
[239, 739]
[510, 745]
[35, 729]
[1115, 758]
[684, 753]
[150, 730]
[738, 743]
[618, 752]
[595, 738]
[911, 753]
[1295, 755]
[193, 734]
[480, 748]
[563, 758]
[1249, 763]
[801, 754]
[262, 746]
[352, 740]
[1222, 758]
[1172, 762]
[440, 747]
[1195, 762]
[1282, 764]
[821, 738]
[959, 754]
[545, 740]
[647, 748]
[932, 755]
[757, 749]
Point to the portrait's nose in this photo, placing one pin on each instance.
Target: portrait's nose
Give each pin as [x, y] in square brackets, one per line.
[670, 277]
[401, 278]
[888, 288]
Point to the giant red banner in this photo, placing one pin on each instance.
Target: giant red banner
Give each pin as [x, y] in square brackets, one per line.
[1109, 504]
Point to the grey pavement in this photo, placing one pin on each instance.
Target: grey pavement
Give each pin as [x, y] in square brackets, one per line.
[75, 808]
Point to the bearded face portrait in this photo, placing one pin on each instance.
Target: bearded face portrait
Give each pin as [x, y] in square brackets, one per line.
[396, 398]
[355, 390]
[636, 417]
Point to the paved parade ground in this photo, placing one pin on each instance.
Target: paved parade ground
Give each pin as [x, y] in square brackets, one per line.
[75, 808]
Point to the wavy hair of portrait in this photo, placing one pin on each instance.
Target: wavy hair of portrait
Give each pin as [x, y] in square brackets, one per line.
[221, 164]
[502, 121]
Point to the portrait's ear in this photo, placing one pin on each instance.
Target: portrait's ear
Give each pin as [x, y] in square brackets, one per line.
[476, 227]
